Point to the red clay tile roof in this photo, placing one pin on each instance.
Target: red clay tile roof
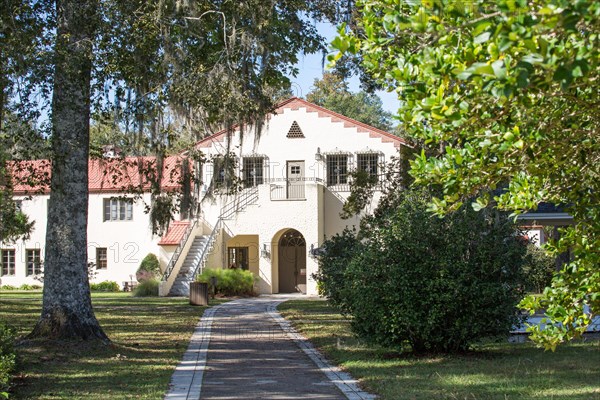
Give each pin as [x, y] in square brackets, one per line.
[104, 175]
[175, 233]
[295, 103]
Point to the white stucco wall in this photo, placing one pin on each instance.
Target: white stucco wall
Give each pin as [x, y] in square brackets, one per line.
[127, 242]
[317, 215]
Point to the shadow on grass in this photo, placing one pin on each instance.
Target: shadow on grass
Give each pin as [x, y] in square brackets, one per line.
[492, 371]
[149, 337]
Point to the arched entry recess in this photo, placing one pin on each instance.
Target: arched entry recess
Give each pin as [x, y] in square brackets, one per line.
[291, 262]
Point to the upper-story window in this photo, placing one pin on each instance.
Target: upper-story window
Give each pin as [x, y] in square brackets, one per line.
[34, 262]
[253, 171]
[7, 265]
[118, 209]
[224, 171]
[369, 163]
[337, 169]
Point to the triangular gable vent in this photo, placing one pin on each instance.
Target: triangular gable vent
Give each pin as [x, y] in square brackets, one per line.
[295, 131]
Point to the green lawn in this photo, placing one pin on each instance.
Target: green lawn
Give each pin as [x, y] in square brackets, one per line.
[149, 338]
[493, 371]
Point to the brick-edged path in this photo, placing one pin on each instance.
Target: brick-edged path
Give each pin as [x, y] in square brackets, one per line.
[255, 354]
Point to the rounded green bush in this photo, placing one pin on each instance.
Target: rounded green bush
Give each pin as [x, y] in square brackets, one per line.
[538, 269]
[149, 268]
[106, 286]
[230, 282]
[147, 288]
[437, 284]
[7, 355]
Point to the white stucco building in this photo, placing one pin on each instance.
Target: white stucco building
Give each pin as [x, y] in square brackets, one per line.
[292, 177]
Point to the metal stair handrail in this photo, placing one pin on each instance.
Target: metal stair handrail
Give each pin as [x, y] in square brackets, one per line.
[248, 196]
[177, 252]
[208, 247]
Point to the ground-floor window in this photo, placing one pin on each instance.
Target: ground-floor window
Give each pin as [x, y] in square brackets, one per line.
[7, 267]
[34, 261]
[101, 258]
[237, 257]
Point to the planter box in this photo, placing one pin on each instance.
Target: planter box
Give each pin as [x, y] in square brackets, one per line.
[199, 293]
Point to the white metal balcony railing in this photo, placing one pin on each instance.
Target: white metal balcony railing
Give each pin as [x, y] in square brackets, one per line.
[289, 189]
[295, 189]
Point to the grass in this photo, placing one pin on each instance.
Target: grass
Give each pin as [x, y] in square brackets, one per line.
[149, 337]
[503, 371]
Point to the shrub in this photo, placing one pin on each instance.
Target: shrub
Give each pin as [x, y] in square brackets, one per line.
[149, 268]
[538, 269]
[147, 288]
[25, 287]
[230, 282]
[338, 253]
[7, 356]
[438, 284]
[106, 286]
[8, 287]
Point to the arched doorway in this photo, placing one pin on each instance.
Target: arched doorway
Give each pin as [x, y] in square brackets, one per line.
[292, 262]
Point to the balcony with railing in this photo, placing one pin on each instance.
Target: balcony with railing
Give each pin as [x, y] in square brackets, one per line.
[290, 189]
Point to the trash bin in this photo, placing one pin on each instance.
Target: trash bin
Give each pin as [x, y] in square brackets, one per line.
[199, 293]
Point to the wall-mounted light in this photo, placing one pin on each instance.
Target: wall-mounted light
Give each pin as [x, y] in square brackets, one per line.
[265, 252]
[318, 155]
[314, 252]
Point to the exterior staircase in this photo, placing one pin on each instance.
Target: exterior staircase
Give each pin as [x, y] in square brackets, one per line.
[202, 245]
[181, 286]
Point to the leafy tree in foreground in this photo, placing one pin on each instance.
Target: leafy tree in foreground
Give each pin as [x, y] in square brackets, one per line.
[67, 307]
[216, 62]
[508, 90]
[332, 92]
[439, 284]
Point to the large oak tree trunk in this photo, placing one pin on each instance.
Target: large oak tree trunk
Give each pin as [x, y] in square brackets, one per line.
[67, 308]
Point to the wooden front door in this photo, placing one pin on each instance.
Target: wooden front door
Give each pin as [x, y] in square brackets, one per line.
[295, 179]
[292, 262]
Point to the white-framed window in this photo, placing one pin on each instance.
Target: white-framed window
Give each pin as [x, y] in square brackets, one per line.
[337, 169]
[118, 209]
[253, 171]
[224, 171]
[7, 265]
[369, 163]
[101, 258]
[34, 261]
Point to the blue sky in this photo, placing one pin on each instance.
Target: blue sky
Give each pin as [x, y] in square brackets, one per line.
[311, 68]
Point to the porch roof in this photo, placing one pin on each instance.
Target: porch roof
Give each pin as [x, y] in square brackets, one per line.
[175, 233]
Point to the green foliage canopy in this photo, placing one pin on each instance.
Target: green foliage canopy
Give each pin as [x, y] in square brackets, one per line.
[440, 284]
[332, 92]
[508, 90]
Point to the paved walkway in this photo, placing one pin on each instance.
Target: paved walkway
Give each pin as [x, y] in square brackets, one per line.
[244, 349]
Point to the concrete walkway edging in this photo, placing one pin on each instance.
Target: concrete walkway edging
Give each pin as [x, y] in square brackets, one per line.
[186, 381]
[344, 382]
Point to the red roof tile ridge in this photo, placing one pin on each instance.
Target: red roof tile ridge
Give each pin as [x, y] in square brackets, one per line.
[294, 103]
[125, 176]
